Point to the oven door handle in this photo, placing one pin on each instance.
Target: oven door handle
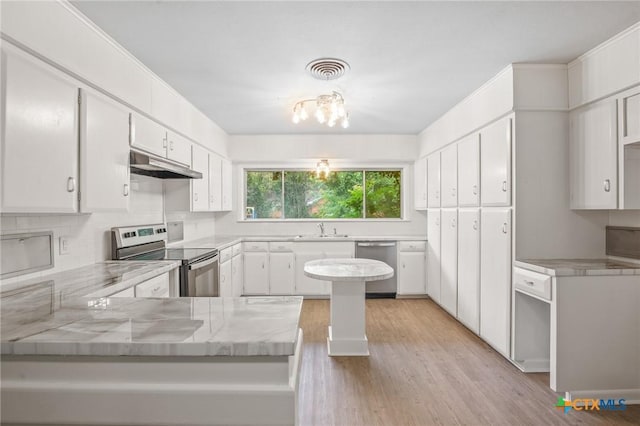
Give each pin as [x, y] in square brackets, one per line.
[203, 263]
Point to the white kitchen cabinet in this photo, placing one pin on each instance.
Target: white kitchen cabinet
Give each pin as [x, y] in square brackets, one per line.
[449, 176]
[433, 254]
[411, 275]
[227, 186]
[281, 273]
[469, 171]
[495, 278]
[159, 286]
[236, 274]
[433, 180]
[256, 273]
[178, 149]
[495, 160]
[629, 116]
[200, 187]
[225, 279]
[469, 268]
[104, 154]
[449, 261]
[420, 184]
[215, 182]
[304, 284]
[39, 136]
[593, 154]
[147, 135]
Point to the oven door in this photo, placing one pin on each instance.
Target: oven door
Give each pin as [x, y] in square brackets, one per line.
[202, 278]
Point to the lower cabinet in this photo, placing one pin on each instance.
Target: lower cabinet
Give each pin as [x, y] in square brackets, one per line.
[495, 278]
[226, 279]
[469, 268]
[449, 261]
[303, 284]
[281, 273]
[256, 273]
[236, 274]
[433, 254]
[411, 272]
[155, 287]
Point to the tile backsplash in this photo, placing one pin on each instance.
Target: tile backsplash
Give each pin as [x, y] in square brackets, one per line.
[88, 234]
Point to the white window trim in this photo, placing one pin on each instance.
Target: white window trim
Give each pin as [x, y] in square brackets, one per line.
[311, 165]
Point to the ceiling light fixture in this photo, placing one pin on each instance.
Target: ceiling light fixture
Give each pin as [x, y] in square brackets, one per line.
[322, 169]
[329, 110]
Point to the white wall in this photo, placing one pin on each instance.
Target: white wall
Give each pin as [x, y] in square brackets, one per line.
[306, 150]
[88, 234]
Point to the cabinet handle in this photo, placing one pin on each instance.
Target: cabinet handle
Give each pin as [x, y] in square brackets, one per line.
[155, 290]
[504, 228]
[504, 186]
[125, 190]
[289, 265]
[171, 146]
[262, 265]
[475, 225]
[71, 184]
[164, 142]
[529, 283]
[453, 223]
[223, 278]
[195, 196]
[437, 221]
[607, 185]
[437, 193]
[403, 265]
[475, 189]
[453, 192]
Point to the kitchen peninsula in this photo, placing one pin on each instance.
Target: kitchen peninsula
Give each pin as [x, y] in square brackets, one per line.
[83, 358]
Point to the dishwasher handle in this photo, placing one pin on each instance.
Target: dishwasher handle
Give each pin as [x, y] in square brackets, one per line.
[376, 244]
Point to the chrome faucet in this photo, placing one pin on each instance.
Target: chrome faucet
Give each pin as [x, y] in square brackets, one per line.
[321, 226]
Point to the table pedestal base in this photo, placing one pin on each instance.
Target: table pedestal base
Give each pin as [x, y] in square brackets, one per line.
[347, 335]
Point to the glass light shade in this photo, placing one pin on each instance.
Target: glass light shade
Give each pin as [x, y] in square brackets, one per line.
[296, 118]
[303, 113]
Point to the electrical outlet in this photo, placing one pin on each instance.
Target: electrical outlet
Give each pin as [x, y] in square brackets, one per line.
[64, 245]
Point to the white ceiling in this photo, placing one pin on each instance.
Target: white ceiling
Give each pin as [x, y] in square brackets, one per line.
[243, 63]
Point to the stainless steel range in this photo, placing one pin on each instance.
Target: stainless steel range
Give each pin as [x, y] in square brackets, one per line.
[198, 269]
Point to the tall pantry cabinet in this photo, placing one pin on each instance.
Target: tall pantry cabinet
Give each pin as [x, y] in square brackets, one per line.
[498, 190]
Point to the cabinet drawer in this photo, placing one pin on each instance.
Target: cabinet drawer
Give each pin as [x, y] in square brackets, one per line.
[236, 249]
[226, 254]
[155, 287]
[412, 245]
[532, 283]
[280, 246]
[256, 246]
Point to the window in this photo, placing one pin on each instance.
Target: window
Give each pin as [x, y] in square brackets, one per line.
[344, 194]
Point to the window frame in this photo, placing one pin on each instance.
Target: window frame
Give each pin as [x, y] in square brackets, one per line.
[403, 168]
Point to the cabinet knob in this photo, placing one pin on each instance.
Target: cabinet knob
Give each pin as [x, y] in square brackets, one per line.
[453, 223]
[505, 228]
[403, 265]
[453, 192]
[171, 146]
[504, 186]
[475, 189]
[437, 193]
[475, 225]
[607, 185]
[71, 184]
[195, 196]
[125, 190]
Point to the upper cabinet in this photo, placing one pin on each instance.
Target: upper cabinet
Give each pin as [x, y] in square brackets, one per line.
[420, 184]
[178, 149]
[593, 154]
[154, 138]
[469, 171]
[629, 149]
[449, 176]
[433, 180]
[629, 116]
[227, 187]
[495, 157]
[40, 136]
[215, 182]
[104, 154]
[200, 187]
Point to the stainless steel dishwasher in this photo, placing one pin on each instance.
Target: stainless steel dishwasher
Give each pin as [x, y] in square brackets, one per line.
[384, 251]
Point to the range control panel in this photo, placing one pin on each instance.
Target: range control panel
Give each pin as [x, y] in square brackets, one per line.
[136, 235]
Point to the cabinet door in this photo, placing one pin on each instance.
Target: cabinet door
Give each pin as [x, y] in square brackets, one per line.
[39, 137]
[593, 150]
[469, 268]
[629, 116]
[469, 171]
[147, 135]
[411, 272]
[433, 180]
[449, 174]
[215, 182]
[282, 273]
[200, 187]
[433, 254]
[420, 184]
[104, 154]
[179, 149]
[449, 261]
[495, 158]
[226, 279]
[256, 273]
[227, 186]
[495, 278]
[303, 284]
[236, 275]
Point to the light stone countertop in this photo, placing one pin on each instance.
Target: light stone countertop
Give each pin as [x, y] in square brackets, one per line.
[580, 267]
[70, 313]
[348, 270]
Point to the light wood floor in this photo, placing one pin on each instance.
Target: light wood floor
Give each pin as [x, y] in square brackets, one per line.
[425, 368]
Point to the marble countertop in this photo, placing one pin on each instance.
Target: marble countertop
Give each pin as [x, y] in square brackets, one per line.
[579, 267]
[205, 326]
[348, 270]
[223, 241]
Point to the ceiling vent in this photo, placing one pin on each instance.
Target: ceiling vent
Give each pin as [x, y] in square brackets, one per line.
[327, 68]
